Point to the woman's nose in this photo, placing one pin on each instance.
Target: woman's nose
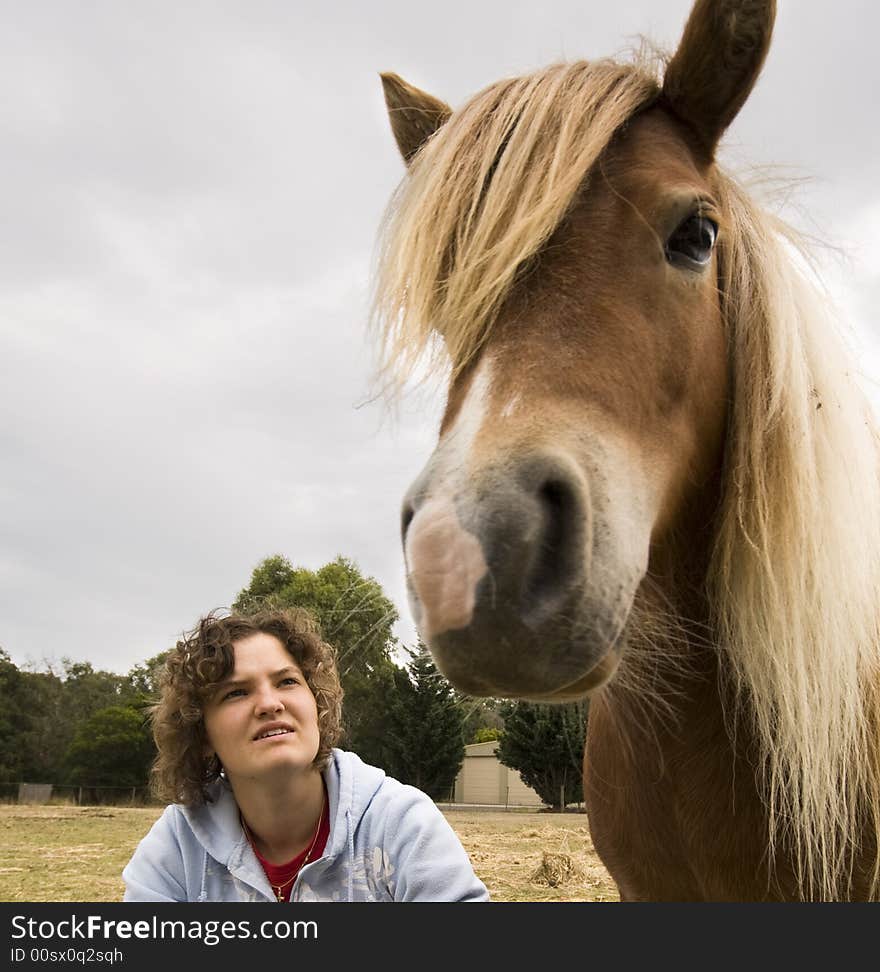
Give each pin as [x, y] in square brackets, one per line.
[267, 700]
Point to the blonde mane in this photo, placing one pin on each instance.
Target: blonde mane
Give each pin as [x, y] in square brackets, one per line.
[796, 569]
[795, 573]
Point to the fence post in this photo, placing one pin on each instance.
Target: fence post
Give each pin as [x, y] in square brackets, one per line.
[79, 797]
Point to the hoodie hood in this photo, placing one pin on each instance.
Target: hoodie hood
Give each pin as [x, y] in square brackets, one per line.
[388, 842]
[350, 790]
[351, 785]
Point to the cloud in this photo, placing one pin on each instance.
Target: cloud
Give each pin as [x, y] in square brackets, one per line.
[190, 201]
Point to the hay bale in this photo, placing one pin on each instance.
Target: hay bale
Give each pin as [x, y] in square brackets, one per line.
[556, 870]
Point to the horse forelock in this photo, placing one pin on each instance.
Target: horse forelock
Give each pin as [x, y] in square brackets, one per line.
[482, 198]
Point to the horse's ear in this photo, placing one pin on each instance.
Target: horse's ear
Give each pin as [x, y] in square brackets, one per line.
[718, 62]
[415, 115]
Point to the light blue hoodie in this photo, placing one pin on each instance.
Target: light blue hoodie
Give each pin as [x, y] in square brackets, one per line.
[388, 842]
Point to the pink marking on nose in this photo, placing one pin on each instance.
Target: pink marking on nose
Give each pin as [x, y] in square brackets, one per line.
[445, 563]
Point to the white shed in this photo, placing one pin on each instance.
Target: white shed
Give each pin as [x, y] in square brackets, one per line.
[483, 780]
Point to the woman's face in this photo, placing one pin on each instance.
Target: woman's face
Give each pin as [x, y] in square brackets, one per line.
[263, 719]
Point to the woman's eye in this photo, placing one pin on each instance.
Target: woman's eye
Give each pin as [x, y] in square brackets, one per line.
[233, 694]
[691, 245]
[290, 681]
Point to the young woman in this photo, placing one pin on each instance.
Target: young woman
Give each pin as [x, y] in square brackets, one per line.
[264, 808]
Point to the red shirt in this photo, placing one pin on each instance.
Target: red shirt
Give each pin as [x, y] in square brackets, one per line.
[283, 876]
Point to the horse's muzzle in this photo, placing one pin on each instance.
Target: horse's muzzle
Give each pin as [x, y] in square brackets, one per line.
[498, 571]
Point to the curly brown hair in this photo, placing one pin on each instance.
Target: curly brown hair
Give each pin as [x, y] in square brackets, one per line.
[202, 659]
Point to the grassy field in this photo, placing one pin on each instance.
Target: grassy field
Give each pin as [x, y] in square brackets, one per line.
[78, 853]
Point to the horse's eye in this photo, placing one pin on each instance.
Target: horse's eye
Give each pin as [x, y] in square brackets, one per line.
[690, 246]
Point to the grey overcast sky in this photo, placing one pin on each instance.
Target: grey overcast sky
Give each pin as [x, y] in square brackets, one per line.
[190, 199]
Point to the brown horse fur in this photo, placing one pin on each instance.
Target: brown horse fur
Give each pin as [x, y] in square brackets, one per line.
[415, 115]
[644, 484]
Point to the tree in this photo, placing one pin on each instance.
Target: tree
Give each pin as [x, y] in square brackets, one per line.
[142, 681]
[423, 727]
[268, 579]
[42, 712]
[354, 616]
[19, 722]
[31, 743]
[545, 744]
[82, 691]
[486, 734]
[481, 716]
[113, 747]
[86, 690]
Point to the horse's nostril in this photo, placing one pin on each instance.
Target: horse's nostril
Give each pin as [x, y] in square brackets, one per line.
[555, 498]
[552, 564]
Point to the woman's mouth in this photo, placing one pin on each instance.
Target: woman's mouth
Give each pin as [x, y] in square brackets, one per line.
[272, 733]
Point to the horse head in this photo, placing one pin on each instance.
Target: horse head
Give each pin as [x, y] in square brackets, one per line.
[578, 234]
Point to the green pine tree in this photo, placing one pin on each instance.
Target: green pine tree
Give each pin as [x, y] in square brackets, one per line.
[423, 728]
[545, 744]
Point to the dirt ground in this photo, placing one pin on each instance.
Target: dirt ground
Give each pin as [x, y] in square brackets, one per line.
[66, 853]
[533, 856]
